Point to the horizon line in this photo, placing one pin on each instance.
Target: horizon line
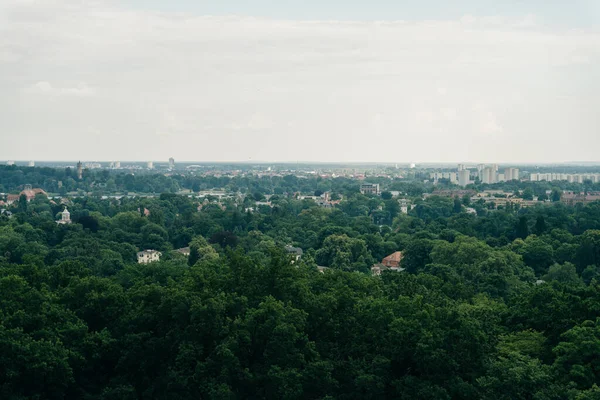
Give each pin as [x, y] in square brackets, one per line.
[304, 162]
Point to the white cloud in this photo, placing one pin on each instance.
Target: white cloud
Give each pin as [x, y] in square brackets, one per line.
[223, 88]
[43, 87]
[490, 125]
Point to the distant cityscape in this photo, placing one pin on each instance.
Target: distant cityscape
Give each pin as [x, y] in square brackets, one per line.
[461, 175]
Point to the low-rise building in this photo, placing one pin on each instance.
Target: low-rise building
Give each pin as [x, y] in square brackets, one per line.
[148, 256]
[369, 188]
[451, 193]
[28, 192]
[389, 263]
[571, 198]
[184, 250]
[393, 260]
[295, 252]
[377, 269]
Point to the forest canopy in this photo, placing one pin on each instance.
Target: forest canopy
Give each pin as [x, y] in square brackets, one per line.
[501, 304]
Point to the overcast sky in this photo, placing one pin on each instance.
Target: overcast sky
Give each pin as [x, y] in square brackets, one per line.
[311, 80]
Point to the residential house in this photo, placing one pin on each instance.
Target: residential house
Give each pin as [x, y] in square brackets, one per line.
[393, 260]
[296, 252]
[184, 250]
[148, 256]
[389, 263]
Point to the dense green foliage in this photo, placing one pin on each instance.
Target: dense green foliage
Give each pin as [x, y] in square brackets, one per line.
[470, 318]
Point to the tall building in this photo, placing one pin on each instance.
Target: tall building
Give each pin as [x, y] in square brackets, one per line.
[511, 174]
[480, 168]
[32, 163]
[171, 163]
[150, 165]
[461, 167]
[488, 175]
[464, 177]
[115, 164]
[451, 176]
[79, 170]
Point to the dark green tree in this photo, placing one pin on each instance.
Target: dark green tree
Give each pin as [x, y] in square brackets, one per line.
[522, 230]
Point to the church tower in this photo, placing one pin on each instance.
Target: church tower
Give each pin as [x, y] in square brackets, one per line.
[79, 170]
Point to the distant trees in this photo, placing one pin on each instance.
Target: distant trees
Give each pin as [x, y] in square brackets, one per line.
[386, 195]
[556, 195]
[527, 194]
[345, 253]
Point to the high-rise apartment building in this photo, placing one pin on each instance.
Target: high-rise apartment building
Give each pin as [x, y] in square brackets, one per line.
[488, 175]
[511, 174]
[464, 177]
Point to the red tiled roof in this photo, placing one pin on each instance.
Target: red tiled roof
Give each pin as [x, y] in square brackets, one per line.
[393, 260]
[397, 256]
[33, 192]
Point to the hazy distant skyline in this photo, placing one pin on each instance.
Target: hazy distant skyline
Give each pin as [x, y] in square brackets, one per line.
[325, 80]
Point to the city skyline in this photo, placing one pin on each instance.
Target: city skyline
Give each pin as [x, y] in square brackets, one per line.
[286, 82]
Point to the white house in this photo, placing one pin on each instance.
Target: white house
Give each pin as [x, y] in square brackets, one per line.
[148, 256]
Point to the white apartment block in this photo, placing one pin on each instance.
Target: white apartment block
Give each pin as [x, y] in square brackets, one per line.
[464, 177]
[451, 176]
[488, 175]
[571, 178]
[511, 174]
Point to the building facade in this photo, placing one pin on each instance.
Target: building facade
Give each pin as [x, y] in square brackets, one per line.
[464, 177]
[369, 188]
[148, 256]
[65, 217]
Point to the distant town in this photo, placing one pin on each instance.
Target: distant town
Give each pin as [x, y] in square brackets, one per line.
[492, 186]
